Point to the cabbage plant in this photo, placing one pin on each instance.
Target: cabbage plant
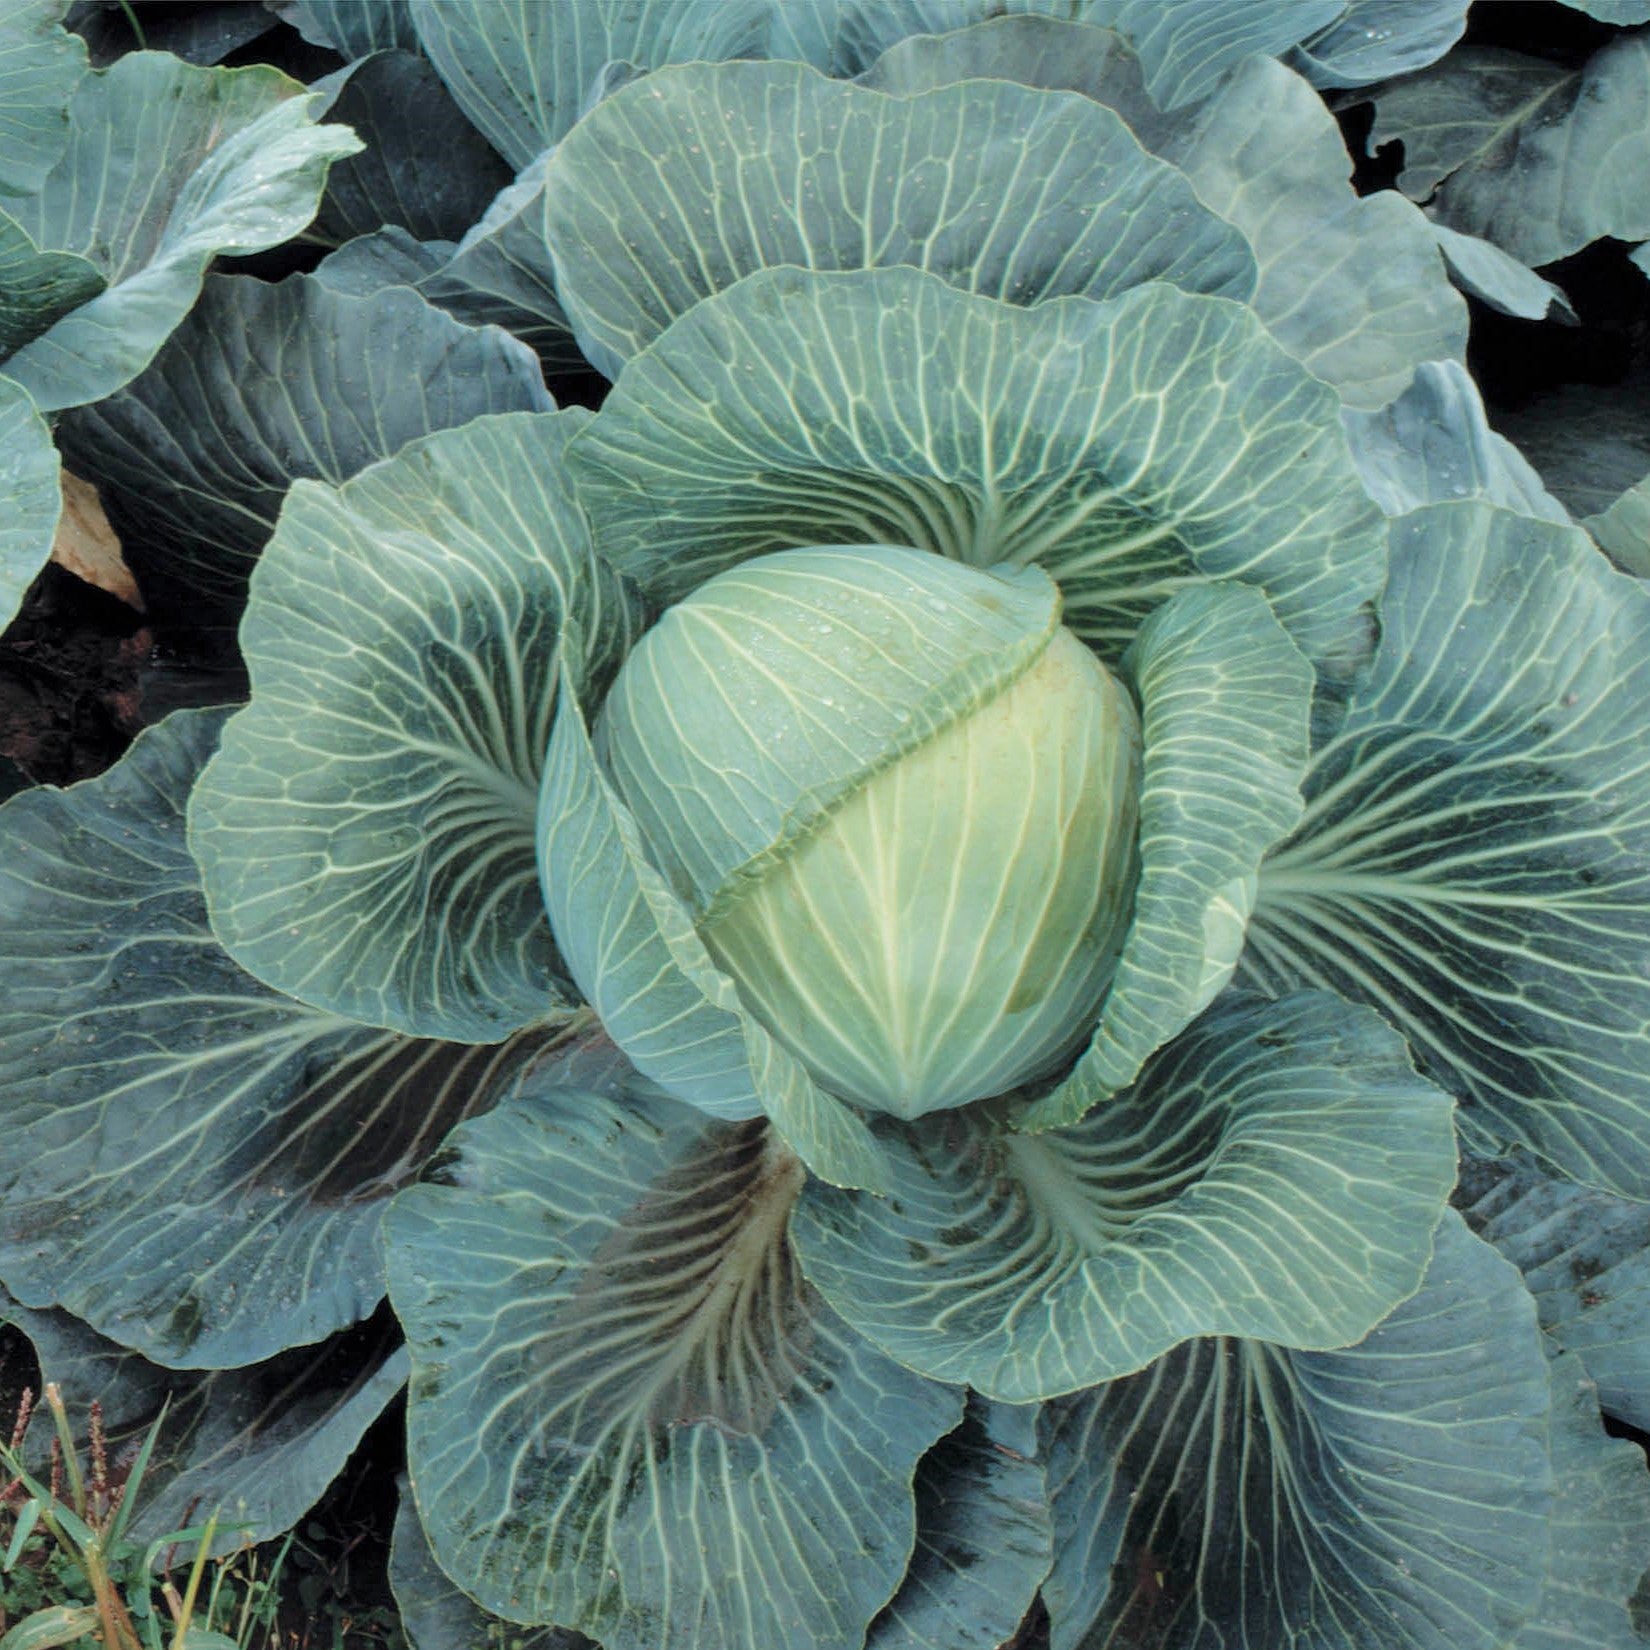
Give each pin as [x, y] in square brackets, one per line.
[892, 943]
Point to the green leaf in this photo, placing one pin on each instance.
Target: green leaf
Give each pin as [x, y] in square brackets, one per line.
[424, 168]
[1279, 179]
[1276, 1172]
[997, 188]
[169, 165]
[522, 71]
[1489, 274]
[1476, 846]
[1371, 303]
[631, 945]
[1266, 156]
[30, 497]
[41, 63]
[195, 1165]
[258, 1446]
[983, 1538]
[1585, 1256]
[1600, 1526]
[1374, 39]
[388, 257]
[355, 28]
[1225, 701]
[57, 1624]
[376, 799]
[503, 272]
[37, 288]
[261, 385]
[1391, 1496]
[1128, 448]
[1433, 445]
[1187, 45]
[1538, 158]
[599, 1291]
[438, 1615]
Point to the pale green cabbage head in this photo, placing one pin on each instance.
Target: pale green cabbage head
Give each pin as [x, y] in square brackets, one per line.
[925, 919]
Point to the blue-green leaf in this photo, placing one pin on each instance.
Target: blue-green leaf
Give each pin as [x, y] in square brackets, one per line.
[997, 188]
[1475, 855]
[1263, 152]
[436, 1614]
[355, 28]
[983, 1537]
[1129, 448]
[1599, 1531]
[257, 1445]
[1538, 158]
[1585, 1256]
[1433, 445]
[30, 496]
[262, 385]
[522, 70]
[1391, 1496]
[1225, 698]
[41, 63]
[424, 168]
[1276, 1172]
[195, 1165]
[601, 1301]
[378, 794]
[168, 166]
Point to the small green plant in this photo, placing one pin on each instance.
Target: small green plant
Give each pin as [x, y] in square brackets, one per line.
[75, 1575]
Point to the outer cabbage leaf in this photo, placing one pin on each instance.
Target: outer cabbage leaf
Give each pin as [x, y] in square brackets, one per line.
[1225, 701]
[983, 1537]
[1538, 158]
[1374, 39]
[436, 1614]
[1585, 1256]
[354, 28]
[629, 1414]
[1433, 445]
[996, 187]
[631, 944]
[30, 497]
[502, 271]
[1498, 279]
[38, 288]
[257, 1445]
[1264, 153]
[41, 64]
[425, 167]
[167, 167]
[1128, 448]
[388, 257]
[1276, 1172]
[1476, 848]
[197, 1166]
[1391, 1496]
[378, 794]
[523, 71]
[261, 385]
[1599, 1533]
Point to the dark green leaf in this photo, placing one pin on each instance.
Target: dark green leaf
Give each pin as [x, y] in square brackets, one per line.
[1391, 1496]
[196, 1165]
[600, 1297]
[1475, 854]
[1275, 1172]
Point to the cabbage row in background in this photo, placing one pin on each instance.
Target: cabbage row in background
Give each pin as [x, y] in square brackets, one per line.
[982, 937]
